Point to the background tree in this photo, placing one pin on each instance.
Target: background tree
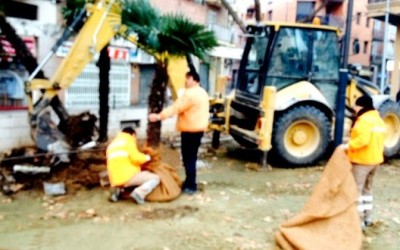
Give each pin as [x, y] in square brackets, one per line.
[164, 36]
[234, 15]
[23, 54]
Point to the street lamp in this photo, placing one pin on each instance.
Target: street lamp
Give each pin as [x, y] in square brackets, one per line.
[385, 41]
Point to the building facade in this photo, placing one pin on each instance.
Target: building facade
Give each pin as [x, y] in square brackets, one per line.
[332, 13]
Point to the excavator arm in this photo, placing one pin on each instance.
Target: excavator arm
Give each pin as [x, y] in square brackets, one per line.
[103, 22]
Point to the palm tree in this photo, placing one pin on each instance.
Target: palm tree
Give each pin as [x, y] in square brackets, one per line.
[72, 9]
[163, 36]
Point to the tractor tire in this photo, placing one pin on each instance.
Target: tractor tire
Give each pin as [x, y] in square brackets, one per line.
[390, 113]
[301, 136]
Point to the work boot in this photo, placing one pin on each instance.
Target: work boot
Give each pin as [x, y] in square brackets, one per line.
[139, 200]
[189, 191]
[114, 194]
[368, 222]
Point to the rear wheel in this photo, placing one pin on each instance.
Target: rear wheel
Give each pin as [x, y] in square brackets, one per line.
[390, 113]
[301, 135]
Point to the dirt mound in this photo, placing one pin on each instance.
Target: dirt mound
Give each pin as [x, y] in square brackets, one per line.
[82, 171]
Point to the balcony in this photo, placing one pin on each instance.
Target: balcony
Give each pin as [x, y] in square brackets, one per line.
[223, 34]
[377, 10]
[332, 20]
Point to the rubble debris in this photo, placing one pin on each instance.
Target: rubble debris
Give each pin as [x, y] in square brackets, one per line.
[30, 169]
[104, 181]
[80, 129]
[53, 189]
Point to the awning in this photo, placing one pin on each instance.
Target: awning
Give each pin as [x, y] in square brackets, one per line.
[227, 52]
[8, 51]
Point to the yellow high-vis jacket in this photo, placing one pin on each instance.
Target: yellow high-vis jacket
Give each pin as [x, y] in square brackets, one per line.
[192, 109]
[367, 139]
[123, 159]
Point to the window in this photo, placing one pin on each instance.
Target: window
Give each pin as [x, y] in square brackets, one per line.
[358, 17]
[12, 94]
[211, 17]
[325, 63]
[270, 15]
[368, 21]
[290, 57]
[365, 47]
[304, 9]
[254, 60]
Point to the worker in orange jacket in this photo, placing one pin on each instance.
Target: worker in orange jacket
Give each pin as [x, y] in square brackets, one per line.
[365, 150]
[124, 162]
[192, 109]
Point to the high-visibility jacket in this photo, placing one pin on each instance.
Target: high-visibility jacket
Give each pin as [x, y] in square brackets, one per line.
[192, 108]
[123, 159]
[367, 139]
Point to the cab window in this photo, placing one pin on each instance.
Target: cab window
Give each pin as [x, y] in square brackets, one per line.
[290, 57]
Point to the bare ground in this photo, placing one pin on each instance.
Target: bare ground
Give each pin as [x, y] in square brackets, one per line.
[239, 208]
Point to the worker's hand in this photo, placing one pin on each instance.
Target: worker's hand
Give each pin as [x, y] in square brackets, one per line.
[148, 158]
[153, 117]
[344, 147]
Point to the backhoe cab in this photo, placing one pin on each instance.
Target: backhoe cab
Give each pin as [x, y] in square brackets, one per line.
[286, 92]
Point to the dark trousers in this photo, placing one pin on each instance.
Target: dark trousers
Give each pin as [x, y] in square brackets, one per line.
[189, 148]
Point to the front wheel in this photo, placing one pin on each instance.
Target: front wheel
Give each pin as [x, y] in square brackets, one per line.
[390, 113]
[301, 135]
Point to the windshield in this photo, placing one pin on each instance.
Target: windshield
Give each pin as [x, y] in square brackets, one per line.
[254, 60]
[290, 57]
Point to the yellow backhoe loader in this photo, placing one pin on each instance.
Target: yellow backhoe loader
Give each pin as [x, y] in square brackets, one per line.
[286, 91]
[100, 26]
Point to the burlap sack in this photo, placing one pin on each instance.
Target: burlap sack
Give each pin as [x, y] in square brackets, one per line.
[329, 220]
[170, 185]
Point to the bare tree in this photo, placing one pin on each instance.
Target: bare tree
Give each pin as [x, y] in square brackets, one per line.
[234, 15]
[257, 10]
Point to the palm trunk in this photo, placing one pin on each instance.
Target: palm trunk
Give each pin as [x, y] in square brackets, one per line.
[22, 52]
[104, 65]
[156, 103]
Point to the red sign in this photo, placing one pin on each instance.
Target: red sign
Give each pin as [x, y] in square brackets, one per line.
[8, 51]
[115, 53]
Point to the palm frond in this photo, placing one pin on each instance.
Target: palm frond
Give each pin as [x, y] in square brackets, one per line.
[180, 36]
[144, 20]
[72, 8]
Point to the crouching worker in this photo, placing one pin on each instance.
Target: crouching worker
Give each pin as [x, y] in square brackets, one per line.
[124, 162]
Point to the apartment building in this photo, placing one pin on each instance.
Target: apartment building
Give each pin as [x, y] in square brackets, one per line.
[333, 13]
[377, 9]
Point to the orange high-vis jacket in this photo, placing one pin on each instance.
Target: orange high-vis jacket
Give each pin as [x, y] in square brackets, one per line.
[367, 139]
[123, 159]
[192, 109]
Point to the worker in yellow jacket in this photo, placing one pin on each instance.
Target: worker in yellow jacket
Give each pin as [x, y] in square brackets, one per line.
[192, 108]
[124, 162]
[365, 150]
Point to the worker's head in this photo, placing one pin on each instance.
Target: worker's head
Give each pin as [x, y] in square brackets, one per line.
[129, 130]
[192, 79]
[363, 102]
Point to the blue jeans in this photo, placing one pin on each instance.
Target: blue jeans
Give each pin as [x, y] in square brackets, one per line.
[190, 143]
